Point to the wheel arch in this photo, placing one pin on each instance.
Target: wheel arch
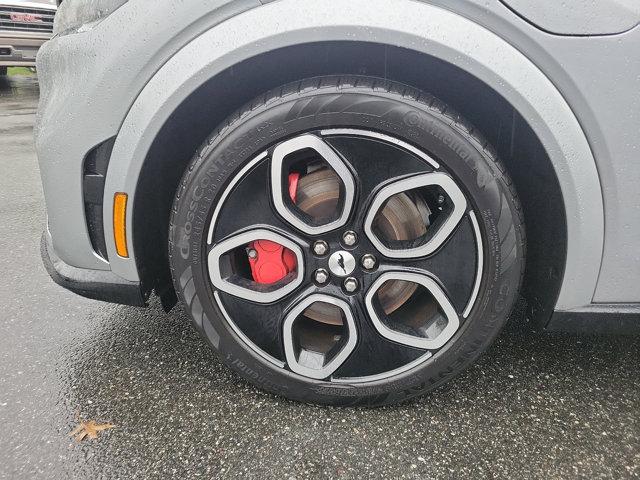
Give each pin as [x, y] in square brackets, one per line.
[184, 101]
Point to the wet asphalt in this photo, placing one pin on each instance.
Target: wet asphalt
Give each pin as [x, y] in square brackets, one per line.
[535, 406]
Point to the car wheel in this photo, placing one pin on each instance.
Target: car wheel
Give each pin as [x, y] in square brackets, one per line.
[347, 240]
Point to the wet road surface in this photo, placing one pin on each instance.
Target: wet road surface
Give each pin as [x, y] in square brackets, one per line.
[535, 406]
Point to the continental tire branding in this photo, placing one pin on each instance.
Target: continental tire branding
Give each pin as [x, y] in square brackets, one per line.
[240, 366]
[415, 119]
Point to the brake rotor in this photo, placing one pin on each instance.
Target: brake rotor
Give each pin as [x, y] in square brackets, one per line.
[401, 218]
[318, 193]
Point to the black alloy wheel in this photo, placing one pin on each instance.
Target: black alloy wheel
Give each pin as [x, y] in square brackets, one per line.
[347, 240]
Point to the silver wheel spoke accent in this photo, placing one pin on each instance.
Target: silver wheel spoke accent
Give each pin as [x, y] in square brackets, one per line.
[434, 337]
[311, 363]
[261, 294]
[304, 142]
[440, 179]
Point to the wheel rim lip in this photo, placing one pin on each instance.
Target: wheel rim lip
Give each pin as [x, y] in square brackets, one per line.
[385, 375]
[359, 132]
[353, 333]
[479, 266]
[242, 336]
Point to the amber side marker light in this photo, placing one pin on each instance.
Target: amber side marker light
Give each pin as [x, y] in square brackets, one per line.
[120, 223]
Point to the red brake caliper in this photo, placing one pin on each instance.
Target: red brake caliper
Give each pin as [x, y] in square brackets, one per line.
[271, 261]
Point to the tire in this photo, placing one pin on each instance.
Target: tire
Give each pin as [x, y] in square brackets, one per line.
[392, 118]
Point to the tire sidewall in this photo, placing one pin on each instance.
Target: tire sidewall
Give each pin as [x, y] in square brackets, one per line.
[408, 119]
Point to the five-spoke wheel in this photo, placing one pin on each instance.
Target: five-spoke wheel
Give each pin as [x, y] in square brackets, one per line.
[341, 237]
[365, 251]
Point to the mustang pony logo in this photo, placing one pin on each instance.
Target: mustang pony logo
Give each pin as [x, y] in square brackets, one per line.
[341, 263]
[25, 17]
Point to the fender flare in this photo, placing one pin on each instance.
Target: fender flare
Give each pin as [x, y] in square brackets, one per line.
[413, 25]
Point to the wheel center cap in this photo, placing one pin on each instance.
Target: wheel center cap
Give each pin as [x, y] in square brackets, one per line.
[342, 263]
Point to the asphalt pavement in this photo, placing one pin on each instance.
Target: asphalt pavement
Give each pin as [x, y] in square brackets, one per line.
[535, 406]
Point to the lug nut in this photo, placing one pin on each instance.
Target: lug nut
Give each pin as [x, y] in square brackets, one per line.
[321, 276]
[441, 199]
[349, 238]
[251, 253]
[350, 284]
[320, 247]
[368, 262]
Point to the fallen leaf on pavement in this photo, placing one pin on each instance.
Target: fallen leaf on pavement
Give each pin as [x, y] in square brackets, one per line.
[89, 428]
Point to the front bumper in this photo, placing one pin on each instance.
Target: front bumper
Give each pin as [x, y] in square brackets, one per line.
[69, 124]
[89, 80]
[95, 284]
[19, 51]
[73, 118]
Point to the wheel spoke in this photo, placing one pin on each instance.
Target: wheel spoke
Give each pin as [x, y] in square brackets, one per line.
[453, 265]
[245, 203]
[375, 356]
[298, 167]
[436, 198]
[376, 162]
[257, 325]
[231, 269]
[426, 320]
[315, 347]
